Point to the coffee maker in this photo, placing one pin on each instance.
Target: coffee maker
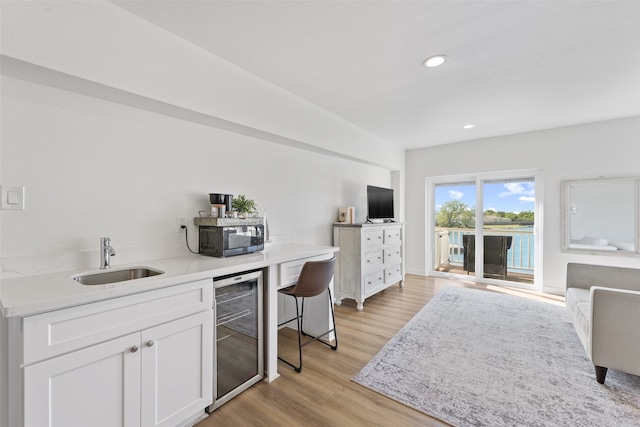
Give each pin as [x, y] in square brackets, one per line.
[220, 204]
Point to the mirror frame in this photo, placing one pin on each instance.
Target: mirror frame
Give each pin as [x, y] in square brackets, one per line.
[566, 216]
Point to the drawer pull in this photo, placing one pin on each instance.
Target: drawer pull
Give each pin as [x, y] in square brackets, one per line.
[134, 349]
[150, 343]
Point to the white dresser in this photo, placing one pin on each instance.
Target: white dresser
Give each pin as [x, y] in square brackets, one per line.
[371, 259]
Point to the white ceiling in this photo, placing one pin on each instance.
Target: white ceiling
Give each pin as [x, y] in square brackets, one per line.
[514, 66]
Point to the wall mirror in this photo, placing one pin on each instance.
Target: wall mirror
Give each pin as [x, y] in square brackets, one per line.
[601, 216]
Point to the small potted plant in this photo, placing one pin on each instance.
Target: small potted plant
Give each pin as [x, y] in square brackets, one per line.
[244, 206]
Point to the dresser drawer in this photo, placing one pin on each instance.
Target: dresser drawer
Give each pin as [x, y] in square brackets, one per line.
[374, 258]
[58, 332]
[393, 274]
[393, 255]
[371, 259]
[373, 281]
[372, 238]
[392, 235]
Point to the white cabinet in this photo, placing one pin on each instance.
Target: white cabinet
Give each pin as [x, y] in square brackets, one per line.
[371, 259]
[143, 360]
[97, 386]
[177, 363]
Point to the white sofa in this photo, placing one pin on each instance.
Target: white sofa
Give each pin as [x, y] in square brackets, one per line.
[604, 305]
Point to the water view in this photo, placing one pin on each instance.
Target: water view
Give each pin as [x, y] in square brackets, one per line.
[520, 256]
[508, 211]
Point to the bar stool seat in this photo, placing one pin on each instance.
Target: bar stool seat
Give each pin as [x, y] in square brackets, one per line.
[315, 277]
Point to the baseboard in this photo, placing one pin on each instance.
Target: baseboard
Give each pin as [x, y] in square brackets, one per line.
[417, 272]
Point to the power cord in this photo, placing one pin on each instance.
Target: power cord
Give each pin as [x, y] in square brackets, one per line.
[186, 237]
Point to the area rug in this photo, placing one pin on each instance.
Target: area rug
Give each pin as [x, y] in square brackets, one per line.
[478, 358]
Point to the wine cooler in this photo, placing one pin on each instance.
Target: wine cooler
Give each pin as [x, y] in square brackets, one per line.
[238, 352]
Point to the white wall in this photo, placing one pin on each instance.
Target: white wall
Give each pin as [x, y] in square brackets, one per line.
[103, 43]
[110, 165]
[610, 148]
[92, 168]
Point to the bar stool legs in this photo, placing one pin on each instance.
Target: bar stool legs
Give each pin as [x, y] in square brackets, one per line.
[299, 319]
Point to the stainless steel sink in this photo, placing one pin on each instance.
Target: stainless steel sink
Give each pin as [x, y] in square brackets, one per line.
[114, 276]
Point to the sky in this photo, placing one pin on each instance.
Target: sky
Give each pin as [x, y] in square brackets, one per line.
[508, 197]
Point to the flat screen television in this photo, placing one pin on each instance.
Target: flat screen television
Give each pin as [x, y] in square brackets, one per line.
[379, 204]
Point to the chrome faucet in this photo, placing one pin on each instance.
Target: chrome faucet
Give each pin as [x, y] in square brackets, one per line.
[106, 252]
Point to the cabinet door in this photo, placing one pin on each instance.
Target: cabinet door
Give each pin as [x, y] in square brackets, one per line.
[177, 370]
[97, 386]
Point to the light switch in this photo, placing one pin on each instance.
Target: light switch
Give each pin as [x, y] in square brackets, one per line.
[12, 197]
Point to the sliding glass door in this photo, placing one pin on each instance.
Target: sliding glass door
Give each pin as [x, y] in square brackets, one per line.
[485, 227]
[455, 221]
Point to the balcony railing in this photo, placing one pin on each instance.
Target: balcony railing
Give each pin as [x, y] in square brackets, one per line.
[520, 257]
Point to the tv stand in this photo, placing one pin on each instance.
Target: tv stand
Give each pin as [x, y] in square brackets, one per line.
[371, 259]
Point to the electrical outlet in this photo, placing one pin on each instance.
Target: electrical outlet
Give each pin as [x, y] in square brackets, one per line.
[180, 221]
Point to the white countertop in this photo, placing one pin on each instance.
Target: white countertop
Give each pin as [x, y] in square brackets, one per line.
[23, 296]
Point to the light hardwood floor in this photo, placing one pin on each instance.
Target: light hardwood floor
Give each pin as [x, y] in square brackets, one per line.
[323, 393]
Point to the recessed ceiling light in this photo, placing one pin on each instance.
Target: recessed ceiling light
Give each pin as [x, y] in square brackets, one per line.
[468, 126]
[435, 61]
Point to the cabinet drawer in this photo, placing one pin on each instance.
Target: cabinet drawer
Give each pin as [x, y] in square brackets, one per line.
[392, 255]
[373, 281]
[393, 273]
[392, 235]
[290, 271]
[373, 258]
[58, 332]
[372, 238]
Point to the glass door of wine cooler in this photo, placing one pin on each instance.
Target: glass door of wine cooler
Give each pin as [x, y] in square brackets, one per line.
[238, 349]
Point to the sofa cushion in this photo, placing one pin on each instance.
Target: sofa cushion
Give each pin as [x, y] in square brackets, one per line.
[579, 307]
[585, 276]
